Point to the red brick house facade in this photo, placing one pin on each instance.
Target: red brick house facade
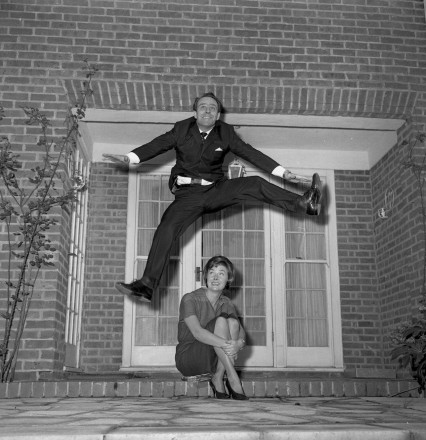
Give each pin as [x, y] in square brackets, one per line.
[358, 59]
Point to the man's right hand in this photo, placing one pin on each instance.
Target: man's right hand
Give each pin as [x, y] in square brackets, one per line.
[118, 159]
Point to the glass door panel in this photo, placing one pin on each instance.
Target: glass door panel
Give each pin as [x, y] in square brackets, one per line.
[155, 324]
[307, 287]
[238, 233]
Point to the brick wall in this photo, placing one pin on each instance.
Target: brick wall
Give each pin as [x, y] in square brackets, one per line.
[399, 238]
[43, 342]
[102, 330]
[386, 254]
[360, 308]
[358, 58]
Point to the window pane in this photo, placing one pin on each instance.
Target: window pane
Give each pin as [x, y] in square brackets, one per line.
[148, 215]
[296, 333]
[254, 245]
[253, 217]
[255, 302]
[296, 304]
[314, 224]
[167, 331]
[294, 223]
[254, 273]
[233, 217]
[315, 276]
[149, 187]
[317, 304]
[239, 272]
[295, 246]
[294, 276]
[236, 295]
[146, 331]
[212, 243]
[317, 333]
[315, 247]
[144, 241]
[256, 331]
[233, 244]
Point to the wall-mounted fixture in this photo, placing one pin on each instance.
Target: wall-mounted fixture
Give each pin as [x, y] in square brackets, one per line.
[385, 211]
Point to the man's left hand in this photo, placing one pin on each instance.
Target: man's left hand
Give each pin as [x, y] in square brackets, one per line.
[288, 175]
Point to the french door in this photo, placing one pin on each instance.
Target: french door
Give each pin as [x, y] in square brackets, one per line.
[285, 290]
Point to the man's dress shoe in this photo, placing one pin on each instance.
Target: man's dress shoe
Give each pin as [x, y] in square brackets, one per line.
[136, 291]
[311, 199]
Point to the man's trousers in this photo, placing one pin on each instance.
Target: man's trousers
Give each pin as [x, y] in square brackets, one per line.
[192, 201]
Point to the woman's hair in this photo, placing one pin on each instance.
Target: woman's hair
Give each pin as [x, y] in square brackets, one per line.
[208, 95]
[216, 261]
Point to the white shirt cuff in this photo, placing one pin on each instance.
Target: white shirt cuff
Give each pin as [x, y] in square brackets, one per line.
[133, 158]
[278, 171]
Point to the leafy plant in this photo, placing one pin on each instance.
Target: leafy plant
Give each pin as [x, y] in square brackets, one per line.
[27, 209]
[409, 338]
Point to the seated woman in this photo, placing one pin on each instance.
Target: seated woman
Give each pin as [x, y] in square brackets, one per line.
[209, 332]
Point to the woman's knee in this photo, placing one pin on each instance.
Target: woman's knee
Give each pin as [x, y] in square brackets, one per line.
[233, 324]
[221, 323]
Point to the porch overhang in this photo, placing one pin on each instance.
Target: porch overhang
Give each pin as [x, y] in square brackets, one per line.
[296, 141]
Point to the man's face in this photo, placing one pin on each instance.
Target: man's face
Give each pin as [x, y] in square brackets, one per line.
[207, 113]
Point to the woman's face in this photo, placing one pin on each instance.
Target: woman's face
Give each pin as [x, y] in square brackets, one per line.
[217, 278]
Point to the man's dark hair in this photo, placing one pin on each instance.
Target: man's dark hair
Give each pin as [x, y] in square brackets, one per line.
[208, 95]
[217, 261]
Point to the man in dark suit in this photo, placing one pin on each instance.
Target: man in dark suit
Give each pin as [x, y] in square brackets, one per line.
[200, 186]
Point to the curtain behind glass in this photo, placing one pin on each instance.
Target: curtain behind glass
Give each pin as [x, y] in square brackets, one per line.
[156, 323]
[238, 233]
[306, 283]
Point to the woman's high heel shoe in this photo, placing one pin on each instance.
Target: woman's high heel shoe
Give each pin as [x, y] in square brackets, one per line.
[218, 394]
[234, 394]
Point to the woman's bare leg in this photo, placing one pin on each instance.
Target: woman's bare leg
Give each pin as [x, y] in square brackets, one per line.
[234, 328]
[225, 363]
[234, 332]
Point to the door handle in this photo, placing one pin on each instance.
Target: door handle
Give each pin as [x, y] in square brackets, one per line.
[198, 274]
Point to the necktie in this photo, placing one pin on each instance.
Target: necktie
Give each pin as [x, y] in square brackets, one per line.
[203, 135]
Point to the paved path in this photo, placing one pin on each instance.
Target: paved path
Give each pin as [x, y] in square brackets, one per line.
[187, 418]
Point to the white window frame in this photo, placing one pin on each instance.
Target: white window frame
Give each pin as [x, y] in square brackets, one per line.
[78, 165]
[284, 354]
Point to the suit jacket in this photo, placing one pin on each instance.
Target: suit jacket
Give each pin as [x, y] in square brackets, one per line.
[204, 160]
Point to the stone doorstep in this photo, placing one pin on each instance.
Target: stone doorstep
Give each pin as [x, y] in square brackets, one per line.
[266, 387]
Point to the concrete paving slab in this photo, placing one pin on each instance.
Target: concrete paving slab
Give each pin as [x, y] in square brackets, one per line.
[138, 418]
[417, 430]
[332, 432]
[232, 433]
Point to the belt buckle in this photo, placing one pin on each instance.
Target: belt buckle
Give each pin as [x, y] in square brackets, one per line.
[183, 178]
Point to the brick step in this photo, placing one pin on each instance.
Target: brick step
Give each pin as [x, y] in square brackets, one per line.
[175, 387]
